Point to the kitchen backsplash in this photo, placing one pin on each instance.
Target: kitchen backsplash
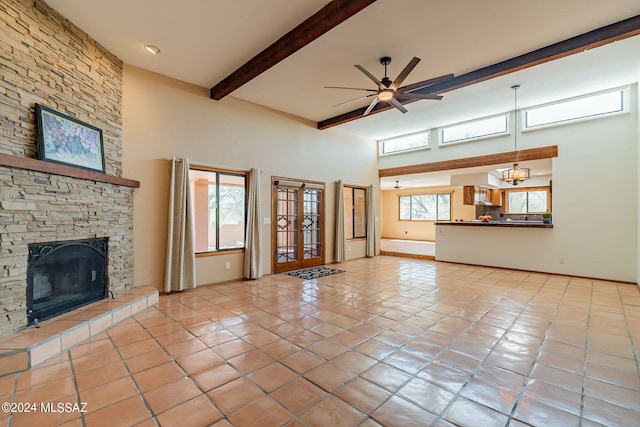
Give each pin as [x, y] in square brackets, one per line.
[497, 213]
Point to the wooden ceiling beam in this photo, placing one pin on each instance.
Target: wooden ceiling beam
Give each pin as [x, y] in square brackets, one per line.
[469, 162]
[330, 16]
[617, 31]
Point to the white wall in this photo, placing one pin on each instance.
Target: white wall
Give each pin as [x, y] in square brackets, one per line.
[637, 103]
[595, 200]
[163, 118]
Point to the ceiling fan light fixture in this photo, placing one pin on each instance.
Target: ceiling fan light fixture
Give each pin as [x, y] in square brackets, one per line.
[385, 95]
[389, 91]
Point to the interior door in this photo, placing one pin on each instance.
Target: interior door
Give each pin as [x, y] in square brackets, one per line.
[298, 225]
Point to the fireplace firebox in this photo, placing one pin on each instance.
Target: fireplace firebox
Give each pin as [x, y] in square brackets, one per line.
[65, 275]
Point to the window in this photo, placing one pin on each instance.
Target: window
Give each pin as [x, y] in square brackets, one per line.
[404, 143]
[219, 202]
[355, 212]
[586, 107]
[532, 201]
[474, 129]
[425, 207]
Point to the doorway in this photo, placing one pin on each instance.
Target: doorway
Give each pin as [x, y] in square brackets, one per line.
[297, 230]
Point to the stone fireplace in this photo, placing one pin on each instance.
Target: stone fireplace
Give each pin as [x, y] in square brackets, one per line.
[39, 208]
[49, 61]
[65, 275]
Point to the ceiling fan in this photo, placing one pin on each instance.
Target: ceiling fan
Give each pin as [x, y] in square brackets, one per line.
[389, 91]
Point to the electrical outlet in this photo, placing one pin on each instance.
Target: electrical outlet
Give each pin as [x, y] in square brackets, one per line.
[227, 265]
[349, 248]
[562, 260]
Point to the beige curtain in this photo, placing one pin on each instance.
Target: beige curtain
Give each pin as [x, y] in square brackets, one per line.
[253, 243]
[371, 223]
[180, 272]
[340, 241]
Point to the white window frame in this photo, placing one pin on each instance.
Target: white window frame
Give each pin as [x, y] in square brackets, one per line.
[507, 130]
[381, 142]
[625, 109]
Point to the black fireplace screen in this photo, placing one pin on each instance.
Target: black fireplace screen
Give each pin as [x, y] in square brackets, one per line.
[65, 275]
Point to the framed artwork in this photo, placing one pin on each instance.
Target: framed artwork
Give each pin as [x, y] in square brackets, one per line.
[66, 140]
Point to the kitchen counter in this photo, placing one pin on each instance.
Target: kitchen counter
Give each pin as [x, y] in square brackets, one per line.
[511, 224]
[496, 243]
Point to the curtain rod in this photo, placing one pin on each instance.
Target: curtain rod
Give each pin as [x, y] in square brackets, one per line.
[205, 165]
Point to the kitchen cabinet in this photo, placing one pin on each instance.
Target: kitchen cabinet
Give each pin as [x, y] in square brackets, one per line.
[495, 197]
[473, 195]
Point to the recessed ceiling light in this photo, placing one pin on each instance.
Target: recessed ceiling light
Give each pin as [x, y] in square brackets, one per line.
[154, 50]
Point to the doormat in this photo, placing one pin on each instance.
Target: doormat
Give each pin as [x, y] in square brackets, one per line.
[314, 272]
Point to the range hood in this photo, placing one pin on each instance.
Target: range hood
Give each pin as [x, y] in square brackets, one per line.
[482, 180]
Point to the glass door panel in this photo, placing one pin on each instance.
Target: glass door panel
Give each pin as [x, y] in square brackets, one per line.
[286, 225]
[311, 227]
[297, 228]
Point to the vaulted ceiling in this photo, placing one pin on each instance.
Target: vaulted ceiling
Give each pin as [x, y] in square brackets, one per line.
[203, 42]
[293, 49]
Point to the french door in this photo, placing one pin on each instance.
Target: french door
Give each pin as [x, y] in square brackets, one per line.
[297, 224]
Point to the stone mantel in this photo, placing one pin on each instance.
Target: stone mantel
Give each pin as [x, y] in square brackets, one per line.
[63, 170]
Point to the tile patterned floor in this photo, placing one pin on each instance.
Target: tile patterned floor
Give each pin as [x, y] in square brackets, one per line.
[391, 341]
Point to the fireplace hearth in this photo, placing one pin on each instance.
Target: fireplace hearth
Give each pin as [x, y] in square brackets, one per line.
[65, 275]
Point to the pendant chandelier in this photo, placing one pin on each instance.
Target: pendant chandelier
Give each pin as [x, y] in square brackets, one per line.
[516, 174]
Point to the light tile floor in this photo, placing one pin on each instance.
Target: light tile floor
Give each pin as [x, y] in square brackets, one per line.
[391, 341]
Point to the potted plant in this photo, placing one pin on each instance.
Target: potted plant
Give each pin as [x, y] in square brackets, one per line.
[546, 217]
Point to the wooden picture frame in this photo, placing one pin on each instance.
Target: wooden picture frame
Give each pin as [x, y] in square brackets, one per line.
[66, 140]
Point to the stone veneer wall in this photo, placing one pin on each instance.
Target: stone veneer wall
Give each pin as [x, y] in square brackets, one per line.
[45, 59]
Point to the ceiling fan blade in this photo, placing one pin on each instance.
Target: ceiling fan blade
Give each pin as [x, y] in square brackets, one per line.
[373, 104]
[355, 99]
[371, 76]
[397, 104]
[404, 73]
[425, 83]
[352, 88]
[402, 95]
